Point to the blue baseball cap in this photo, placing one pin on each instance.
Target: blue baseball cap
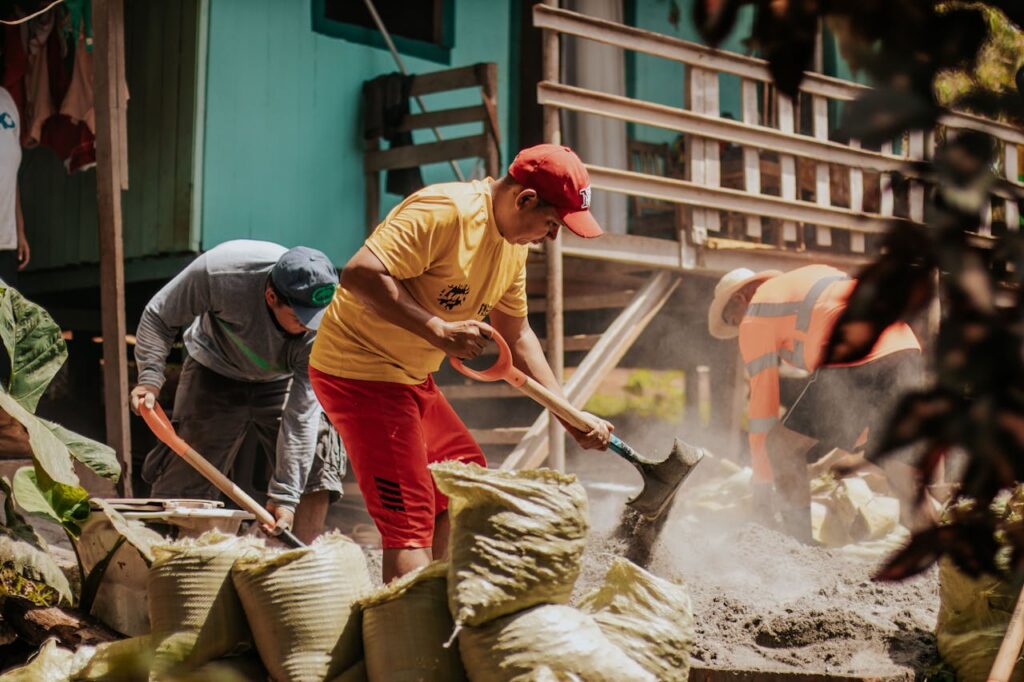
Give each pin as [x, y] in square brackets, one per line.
[306, 279]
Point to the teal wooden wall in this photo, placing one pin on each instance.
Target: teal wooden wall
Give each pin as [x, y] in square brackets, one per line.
[283, 155]
[60, 210]
[663, 81]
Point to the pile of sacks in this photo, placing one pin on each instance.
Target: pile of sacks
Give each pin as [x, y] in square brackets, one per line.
[498, 610]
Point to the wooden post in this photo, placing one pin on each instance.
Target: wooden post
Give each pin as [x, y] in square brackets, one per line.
[857, 241]
[555, 313]
[822, 185]
[916, 198]
[787, 163]
[751, 157]
[888, 201]
[108, 27]
[1011, 171]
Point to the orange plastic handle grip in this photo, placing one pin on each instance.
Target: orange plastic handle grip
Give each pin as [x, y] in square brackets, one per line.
[501, 370]
[161, 427]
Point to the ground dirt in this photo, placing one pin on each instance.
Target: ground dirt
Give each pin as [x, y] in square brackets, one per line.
[762, 600]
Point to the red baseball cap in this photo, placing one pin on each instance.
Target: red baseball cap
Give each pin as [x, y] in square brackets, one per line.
[559, 178]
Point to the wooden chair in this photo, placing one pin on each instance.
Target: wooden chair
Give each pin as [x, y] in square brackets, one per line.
[485, 145]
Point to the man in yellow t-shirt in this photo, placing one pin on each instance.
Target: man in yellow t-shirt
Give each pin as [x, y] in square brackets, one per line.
[444, 259]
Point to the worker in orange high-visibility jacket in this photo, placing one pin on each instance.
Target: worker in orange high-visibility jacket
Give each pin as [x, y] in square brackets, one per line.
[788, 318]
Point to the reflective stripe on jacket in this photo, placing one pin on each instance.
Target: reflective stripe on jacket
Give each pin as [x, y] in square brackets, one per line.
[790, 319]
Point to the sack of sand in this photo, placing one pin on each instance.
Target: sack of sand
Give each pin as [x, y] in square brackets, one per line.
[516, 538]
[51, 663]
[561, 641]
[405, 627]
[300, 606]
[194, 610]
[648, 617]
[973, 616]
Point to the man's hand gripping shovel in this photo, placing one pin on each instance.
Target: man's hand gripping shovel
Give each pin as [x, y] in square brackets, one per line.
[162, 429]
[660, 479]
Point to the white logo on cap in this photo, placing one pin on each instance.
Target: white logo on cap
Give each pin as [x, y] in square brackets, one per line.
[585, 196]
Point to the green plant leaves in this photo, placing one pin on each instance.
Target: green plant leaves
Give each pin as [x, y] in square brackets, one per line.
[26, 568]
[34, 346]
[68, 505]
[99, 457]
[48, 452]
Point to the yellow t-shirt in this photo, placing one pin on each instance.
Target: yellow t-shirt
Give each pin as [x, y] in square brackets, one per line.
[444, 246]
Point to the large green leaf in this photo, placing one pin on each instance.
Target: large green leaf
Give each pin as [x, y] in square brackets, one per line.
[34, 345]
[32, 569]
[68, 505]
[48, 452]
[93, 454]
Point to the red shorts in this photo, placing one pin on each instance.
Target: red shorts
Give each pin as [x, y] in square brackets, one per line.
[392, 432]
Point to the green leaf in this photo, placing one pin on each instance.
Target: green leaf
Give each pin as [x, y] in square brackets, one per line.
[93, 454]
[34, 345]
[68, 505]
[48, 452]
[138, 536]
[16, 524]
[32, 564]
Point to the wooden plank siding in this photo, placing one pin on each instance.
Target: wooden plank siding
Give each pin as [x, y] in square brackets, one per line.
[61, 210]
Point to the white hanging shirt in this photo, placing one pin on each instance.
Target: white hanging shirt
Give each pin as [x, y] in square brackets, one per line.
[10, 159]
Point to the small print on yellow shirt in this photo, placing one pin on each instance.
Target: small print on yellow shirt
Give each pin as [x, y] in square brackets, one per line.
[443, 244]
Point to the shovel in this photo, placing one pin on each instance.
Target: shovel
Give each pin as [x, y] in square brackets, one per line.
[162, 429]
[661, 479]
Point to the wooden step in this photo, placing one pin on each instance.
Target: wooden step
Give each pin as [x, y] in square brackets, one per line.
[499, 436]
[616, 299]
[479, 390]
[576, 342]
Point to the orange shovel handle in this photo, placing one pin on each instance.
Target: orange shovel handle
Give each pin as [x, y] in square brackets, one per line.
[161, 427]
[501, 370]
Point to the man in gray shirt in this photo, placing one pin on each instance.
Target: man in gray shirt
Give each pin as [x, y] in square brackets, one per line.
[252, 309]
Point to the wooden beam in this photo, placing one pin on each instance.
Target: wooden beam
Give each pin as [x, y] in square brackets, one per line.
[449, 79]
[445, 117]
[414, 155]
[717, 256]
[723, 199]
[499, 436]
[108, 26]
[618, 299]
[603, 358]
[694, 54]
[555, 313]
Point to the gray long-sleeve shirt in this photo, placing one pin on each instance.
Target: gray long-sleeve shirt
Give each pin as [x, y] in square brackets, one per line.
[220, 295]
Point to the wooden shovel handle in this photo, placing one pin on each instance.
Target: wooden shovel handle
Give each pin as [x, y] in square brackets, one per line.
[157, 421]
[1009, 650]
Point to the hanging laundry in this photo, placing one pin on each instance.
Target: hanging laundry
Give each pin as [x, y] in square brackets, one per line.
[38, 99]
[78, 102]
[79, 20]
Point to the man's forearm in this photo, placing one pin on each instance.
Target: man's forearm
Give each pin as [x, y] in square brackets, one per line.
[528, 356]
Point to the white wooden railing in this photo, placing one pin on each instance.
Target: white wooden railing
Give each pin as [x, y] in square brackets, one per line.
[769, 126]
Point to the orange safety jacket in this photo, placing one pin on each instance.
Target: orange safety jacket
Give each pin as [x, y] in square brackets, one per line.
[790, 319]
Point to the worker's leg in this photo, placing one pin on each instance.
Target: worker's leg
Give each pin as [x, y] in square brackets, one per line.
[787, 452]
[380, 424]
[209, 414]
[323, 483]
[310, 515]
[323, 486]
[447, 439]
[442, 528]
